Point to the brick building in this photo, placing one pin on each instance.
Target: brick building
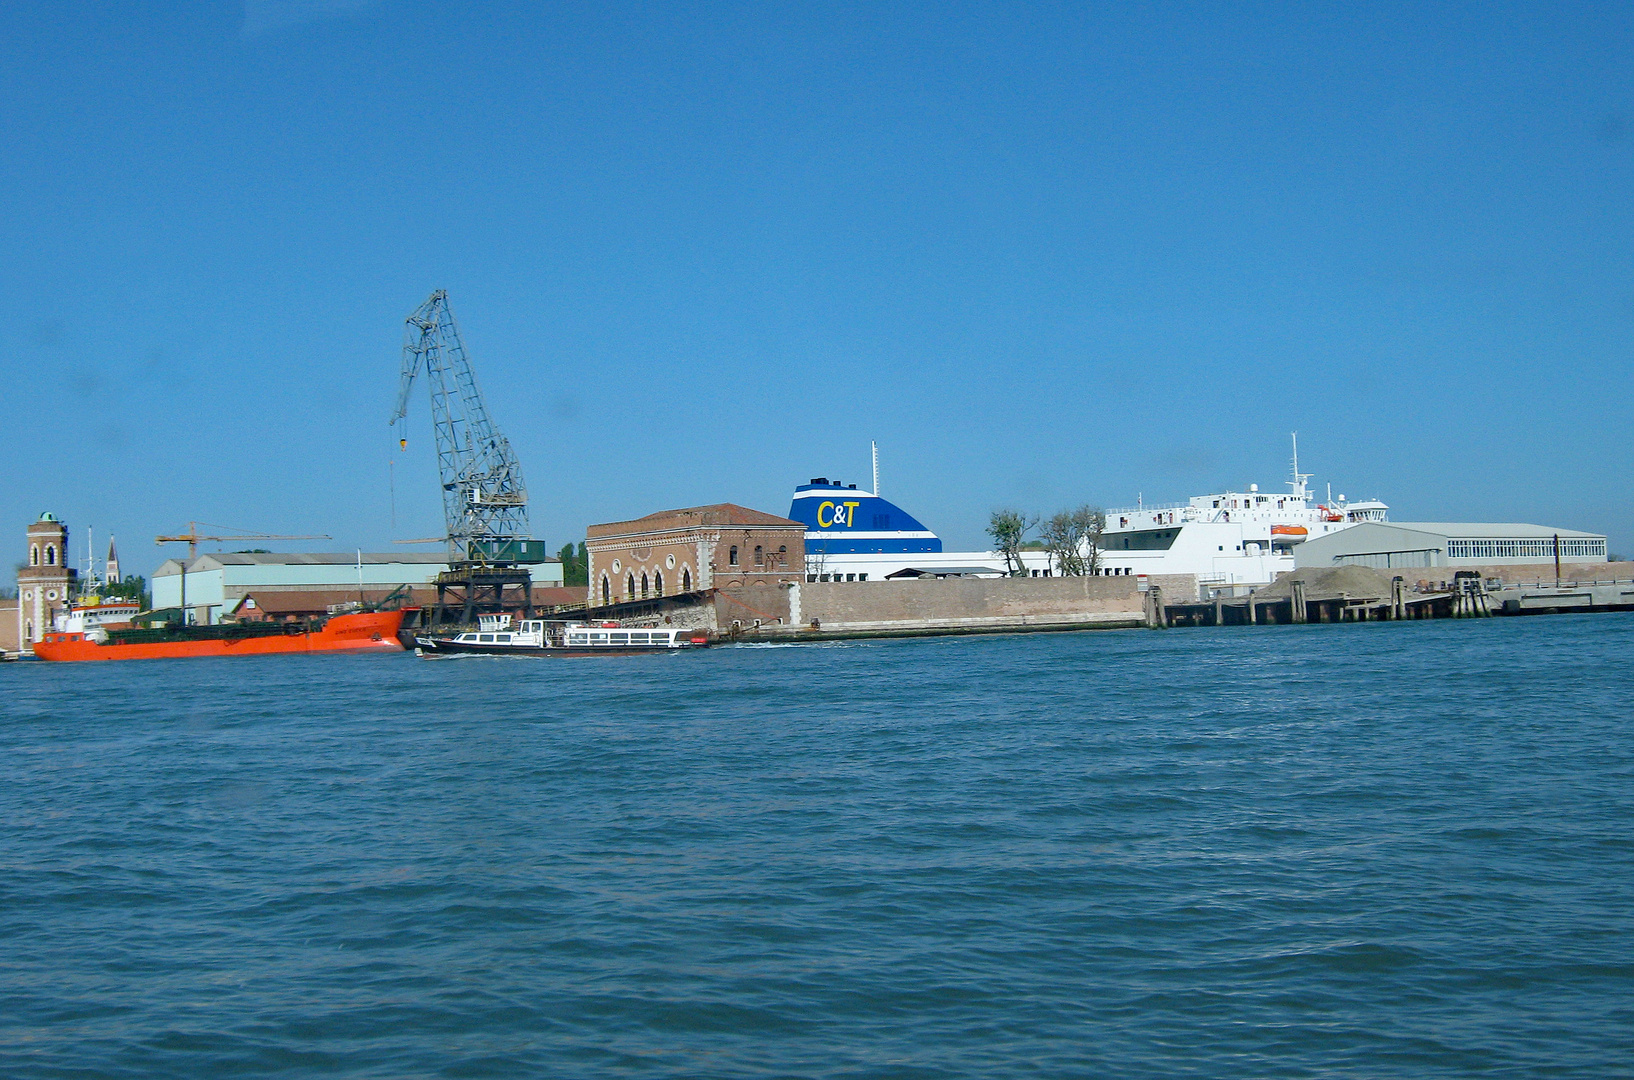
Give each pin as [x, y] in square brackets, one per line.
[44, 581]
[682, 551]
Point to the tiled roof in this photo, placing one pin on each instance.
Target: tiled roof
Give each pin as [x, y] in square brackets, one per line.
[716, 515]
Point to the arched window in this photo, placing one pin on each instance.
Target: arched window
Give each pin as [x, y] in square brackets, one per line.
[658, 583]
[732, 556]
[760, 555]
[686, 579]
[606, 590]
[643, 585]
[629, 586]
[51, 554]
[33, 554]
[783, 555]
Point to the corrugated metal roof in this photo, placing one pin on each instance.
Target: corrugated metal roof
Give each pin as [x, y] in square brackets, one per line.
[1486, 530]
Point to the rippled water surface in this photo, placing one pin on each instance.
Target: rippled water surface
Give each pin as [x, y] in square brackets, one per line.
[1342, 851]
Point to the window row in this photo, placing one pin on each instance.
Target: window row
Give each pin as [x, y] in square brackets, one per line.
[778, 558]
[643, 587]
[1532, 548]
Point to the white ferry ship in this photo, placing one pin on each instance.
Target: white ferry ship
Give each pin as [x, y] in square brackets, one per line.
[1230, 538]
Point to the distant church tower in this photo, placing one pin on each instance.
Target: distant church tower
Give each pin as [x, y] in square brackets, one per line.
[110, 569]
[44, 581]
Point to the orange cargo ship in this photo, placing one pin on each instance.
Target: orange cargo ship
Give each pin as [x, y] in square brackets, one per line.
[367, 631]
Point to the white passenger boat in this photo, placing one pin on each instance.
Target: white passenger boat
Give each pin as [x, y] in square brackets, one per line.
[500, 635]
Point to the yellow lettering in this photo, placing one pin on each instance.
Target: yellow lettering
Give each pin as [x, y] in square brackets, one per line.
[851, 513]
[821, 507]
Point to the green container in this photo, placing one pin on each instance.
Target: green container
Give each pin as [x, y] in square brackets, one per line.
[509, 551]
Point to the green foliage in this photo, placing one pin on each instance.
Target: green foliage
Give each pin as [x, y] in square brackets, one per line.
[1009, 529]
[1072, 537]
[575, 565]
[134, 587]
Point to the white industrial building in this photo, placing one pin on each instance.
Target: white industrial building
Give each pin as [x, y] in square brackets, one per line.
[215, 583]
[1386, 545]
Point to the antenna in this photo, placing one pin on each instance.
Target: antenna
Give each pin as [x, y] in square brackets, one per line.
[873, 448]
[1298, 482]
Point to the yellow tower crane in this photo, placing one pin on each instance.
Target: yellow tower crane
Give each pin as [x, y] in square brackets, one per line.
[192, 537]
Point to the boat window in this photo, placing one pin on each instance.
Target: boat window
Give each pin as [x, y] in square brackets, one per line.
[618, 639]
[579, 639]
[599, 638]
[485, 637]
[504, 637]
[638, 639]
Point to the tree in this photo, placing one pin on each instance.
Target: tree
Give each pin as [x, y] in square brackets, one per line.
[1009, 529]
[1073, 538]
[133, 587]
[575, 565]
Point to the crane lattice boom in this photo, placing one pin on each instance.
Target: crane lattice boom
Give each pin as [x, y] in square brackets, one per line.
[485, 503]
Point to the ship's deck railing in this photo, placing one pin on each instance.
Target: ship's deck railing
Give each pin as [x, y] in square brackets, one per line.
[1109, 511]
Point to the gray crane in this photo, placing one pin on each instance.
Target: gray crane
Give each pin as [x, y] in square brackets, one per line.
[485, 503]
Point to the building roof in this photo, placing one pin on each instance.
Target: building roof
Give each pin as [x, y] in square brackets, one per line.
[1487, 530]
[714, 516]
[278, 602]
[948, 571]
[300, 601]
[215, 560]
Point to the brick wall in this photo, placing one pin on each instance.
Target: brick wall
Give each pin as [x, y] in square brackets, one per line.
[10, 627]
[950, 604]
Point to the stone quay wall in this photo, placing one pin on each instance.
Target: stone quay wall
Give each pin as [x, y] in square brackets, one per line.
[1514, 572]
[807, 610]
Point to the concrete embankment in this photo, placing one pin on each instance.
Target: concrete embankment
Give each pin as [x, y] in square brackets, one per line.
[1441, 577]
[820, 610]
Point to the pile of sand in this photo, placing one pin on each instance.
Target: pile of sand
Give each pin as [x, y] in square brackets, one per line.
[1330, 583]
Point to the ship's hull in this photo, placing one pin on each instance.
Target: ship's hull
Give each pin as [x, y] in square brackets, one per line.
[374, 631]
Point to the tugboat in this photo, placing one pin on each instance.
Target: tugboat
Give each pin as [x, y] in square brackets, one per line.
[498, 635]
[364, 631]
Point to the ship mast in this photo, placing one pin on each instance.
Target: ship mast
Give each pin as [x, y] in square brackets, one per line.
[1298, 482]
[873, 448]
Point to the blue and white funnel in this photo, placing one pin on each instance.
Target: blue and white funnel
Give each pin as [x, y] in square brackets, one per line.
[840, 520]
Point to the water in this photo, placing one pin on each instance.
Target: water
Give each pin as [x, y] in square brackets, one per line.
[1340, 851]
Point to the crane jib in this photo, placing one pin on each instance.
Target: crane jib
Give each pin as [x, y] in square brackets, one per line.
[484, 497]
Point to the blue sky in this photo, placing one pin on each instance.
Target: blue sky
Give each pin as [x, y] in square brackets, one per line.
[1044, 254]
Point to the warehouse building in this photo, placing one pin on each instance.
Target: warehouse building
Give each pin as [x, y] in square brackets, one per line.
[1388, 545]
[690, 550]
[216, 584]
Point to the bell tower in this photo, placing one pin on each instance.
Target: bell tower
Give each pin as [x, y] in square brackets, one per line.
[44, 581]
